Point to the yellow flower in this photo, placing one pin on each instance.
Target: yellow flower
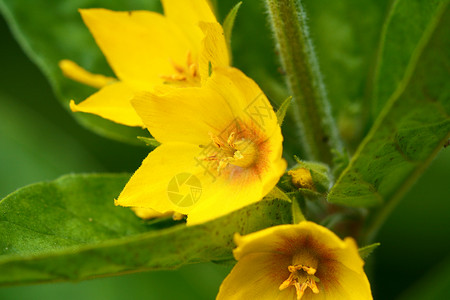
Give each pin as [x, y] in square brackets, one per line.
[304, 261]
[220, 148]
[146, 49]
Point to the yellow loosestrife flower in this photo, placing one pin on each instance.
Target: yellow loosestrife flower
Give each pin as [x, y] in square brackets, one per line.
[146, 49]
[305, 261]
[220, 148]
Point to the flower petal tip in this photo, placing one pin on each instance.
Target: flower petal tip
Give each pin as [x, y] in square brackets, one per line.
[116, 202]
[73, 106]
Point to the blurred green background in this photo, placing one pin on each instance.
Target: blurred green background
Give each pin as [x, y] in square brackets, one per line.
[41, 141]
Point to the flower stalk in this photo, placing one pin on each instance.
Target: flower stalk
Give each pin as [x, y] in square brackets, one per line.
[310, 107]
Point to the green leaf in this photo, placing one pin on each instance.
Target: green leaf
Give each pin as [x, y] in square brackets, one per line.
[151, 142]
[69, 229]
[408, 24]
[52, 215]
[409, 132]
[228, 24]
[281, 112]
[277, 193]
[51, 31]
[341, 161]
[365, 252]
[297, 214]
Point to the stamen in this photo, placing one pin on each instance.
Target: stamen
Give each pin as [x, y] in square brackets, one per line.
[193, 70]
[189, 58]
[300, 280]
[216, 140]
[287, 282]
[312, 285]
[301, 288]
[174, 77]
[184, 75]
[177, 67]
[231, 138]
[234, 151]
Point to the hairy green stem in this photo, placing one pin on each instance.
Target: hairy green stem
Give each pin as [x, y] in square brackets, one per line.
[310, 106]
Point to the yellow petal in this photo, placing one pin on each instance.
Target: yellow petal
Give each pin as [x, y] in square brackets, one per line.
[112, 102]
[75, 72]
[187, 14]
[276, 164]
[190, 114]
[183, 115]
[152, 185]
[140, 46]
[349, 255]
[257, 276]
[214, 49]
[245, 98]
[276, 239]
[224, 197]
[348, 284]
[159, 183]
[265, 241]
[188, 11]
[148, 213]
[199, 24]
[346, 270]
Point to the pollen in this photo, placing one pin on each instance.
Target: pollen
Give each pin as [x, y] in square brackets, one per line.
[236, 150]
[301, 277]
[184, 75]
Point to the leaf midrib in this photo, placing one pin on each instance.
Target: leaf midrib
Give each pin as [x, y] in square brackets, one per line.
[392, 100]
